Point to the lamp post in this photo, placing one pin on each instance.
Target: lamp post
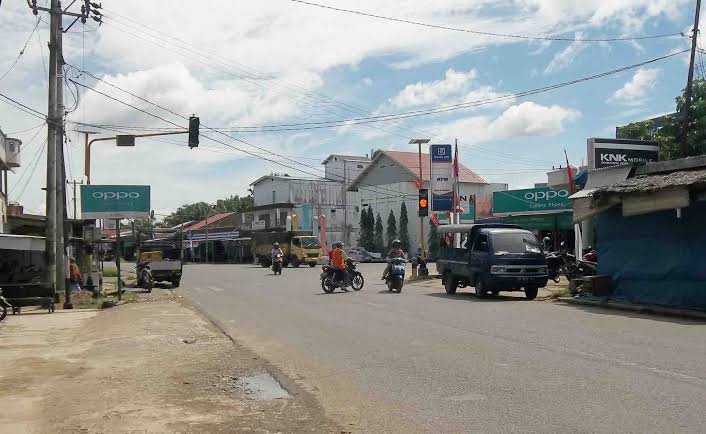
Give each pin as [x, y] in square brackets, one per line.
[422, 242]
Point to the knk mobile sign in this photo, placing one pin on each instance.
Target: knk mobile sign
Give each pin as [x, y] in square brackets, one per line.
[530, 200]
[115, 201]
[604, 153]
[442, 182]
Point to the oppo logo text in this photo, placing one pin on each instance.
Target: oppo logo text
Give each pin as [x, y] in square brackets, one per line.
[109, 195]
[545, 195]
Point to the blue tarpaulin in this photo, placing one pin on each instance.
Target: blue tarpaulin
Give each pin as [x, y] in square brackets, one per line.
[655, 258]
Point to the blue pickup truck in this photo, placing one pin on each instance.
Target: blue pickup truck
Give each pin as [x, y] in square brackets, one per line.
[492, 257]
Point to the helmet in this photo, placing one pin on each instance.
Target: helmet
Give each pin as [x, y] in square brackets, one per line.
[275, 245]
[546, 239]
[338, 245]
[396, 242]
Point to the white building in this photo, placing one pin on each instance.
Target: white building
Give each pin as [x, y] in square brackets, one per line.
[390, 179]
[280, 196]
[9, 159]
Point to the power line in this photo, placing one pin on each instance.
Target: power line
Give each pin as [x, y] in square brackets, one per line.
[31, 168]
[22, 51]
[230, 137]
[19, 106]
[494, 34]
[28, 129]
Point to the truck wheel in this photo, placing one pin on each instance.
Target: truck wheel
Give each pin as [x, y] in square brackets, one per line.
[450, 284]
[296, 263]
[531, 293]
[481, 290]
[176, 283]
[312, 265]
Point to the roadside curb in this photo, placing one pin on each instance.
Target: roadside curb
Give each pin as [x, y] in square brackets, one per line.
[646, 309]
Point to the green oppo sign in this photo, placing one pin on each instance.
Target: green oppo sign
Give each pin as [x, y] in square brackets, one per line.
[531, 200]
[115, 201]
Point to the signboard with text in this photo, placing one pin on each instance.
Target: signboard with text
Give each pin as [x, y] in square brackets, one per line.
[531, 200]
[604, 153]
[115, 201]
[442, 182]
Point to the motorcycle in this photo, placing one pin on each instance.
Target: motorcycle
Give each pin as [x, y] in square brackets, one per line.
[329, 283]
[4, 305]
[555, 263]
[144, 276]
[395, 278]
[277, 264]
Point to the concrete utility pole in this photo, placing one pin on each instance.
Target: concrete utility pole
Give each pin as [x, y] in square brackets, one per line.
[684, 144]
[73, 187]
[422, 241]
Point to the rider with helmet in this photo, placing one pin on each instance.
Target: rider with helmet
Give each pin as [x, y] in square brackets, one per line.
[395, 252]
[547, 244]
[276, 250]
[338, 262]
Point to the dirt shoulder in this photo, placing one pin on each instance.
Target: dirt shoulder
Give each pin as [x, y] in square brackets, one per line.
[151, 366]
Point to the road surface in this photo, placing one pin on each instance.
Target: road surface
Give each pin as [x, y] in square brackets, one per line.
[424, 361]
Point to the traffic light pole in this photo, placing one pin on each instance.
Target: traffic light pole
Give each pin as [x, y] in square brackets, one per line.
[422, 241]
[87, 149]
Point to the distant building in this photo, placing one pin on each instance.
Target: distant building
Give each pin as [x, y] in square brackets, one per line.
[281, 198]
[391, 179]
[9, 159]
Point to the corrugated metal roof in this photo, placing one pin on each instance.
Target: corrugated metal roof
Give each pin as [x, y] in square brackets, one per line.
[213, 219]
[649, 183]
[410, 160]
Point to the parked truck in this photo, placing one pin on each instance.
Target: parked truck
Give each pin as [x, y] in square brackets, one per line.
[299, 247]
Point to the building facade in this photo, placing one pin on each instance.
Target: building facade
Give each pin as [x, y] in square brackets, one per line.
[283, 201]
[392, 178]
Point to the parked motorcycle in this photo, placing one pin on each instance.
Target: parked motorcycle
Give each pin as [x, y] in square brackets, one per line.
[329, 283]
[4, 305]
[395, 278]
[144, 276]
[555, 263]
[277, 264]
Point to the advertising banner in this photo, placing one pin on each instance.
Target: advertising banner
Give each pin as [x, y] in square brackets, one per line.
[531, 200]
[604, 153]
[442, 182]
[115, 201]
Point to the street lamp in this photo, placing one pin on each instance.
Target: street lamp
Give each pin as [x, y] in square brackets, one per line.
[420, 142]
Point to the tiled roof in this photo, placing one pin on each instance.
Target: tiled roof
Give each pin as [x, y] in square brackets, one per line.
[410, 160]
[212, 219]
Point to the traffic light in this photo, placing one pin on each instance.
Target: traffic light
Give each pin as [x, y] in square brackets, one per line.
[423, 202]
[194, 132]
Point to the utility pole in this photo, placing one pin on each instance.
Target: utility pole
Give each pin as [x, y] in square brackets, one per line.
[73, 187]
[55, 186]
[684, 144]
[422, 241]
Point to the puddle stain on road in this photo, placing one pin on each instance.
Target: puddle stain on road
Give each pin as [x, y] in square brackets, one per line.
[262, 387]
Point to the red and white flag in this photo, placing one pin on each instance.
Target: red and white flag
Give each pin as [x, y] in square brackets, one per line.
[570, 174]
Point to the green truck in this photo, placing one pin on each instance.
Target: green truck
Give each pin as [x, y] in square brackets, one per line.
[299, 247]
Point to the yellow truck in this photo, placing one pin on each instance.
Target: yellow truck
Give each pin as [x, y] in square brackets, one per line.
[299, 247]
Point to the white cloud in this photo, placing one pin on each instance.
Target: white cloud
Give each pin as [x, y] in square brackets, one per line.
[566, 57]
[525, 119]
[635, 91]
[368, 81]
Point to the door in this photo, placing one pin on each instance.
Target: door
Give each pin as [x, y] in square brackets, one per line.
[479, 255]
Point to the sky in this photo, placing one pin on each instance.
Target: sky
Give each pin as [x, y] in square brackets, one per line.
[244, 64]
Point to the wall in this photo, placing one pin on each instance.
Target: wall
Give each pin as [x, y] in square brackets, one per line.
[648, 266]
[262, 191]
[338, 168]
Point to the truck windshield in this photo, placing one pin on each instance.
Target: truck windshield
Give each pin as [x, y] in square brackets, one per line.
[310, 243]
[507, 243]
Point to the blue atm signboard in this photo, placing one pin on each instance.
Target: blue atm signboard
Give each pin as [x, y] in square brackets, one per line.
[441, 176]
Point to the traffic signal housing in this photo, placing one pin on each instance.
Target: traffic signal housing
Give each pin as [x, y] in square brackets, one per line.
[423, 202]
[194, 124]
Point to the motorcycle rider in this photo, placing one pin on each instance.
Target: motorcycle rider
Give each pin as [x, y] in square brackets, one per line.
[338, 262]
[547, 244]
[395, 252]
[276, 250]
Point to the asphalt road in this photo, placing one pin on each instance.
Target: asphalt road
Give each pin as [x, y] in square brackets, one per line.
[425, 361]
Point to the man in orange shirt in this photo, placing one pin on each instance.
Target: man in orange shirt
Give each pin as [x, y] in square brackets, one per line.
[338, 262]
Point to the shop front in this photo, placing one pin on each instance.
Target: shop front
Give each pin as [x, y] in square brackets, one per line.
[546, 211]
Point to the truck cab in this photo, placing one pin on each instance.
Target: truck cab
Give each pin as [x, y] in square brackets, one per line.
[304, 250]
[491, 258]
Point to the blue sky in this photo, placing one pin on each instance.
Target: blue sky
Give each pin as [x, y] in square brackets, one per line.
[380, 66]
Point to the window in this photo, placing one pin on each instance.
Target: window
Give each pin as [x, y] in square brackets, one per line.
[274, 196]
[283, 218]
[360, 166]
[481, 244]
[296, 242]
[505, 243]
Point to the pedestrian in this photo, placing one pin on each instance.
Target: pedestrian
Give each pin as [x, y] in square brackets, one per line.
[74, 276]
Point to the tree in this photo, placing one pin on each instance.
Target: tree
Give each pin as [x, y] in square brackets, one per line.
[379, 237]
[666, 130]
[367, 229]
[391, 228]
[200, 210]
[433, 241]
[404, 231]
